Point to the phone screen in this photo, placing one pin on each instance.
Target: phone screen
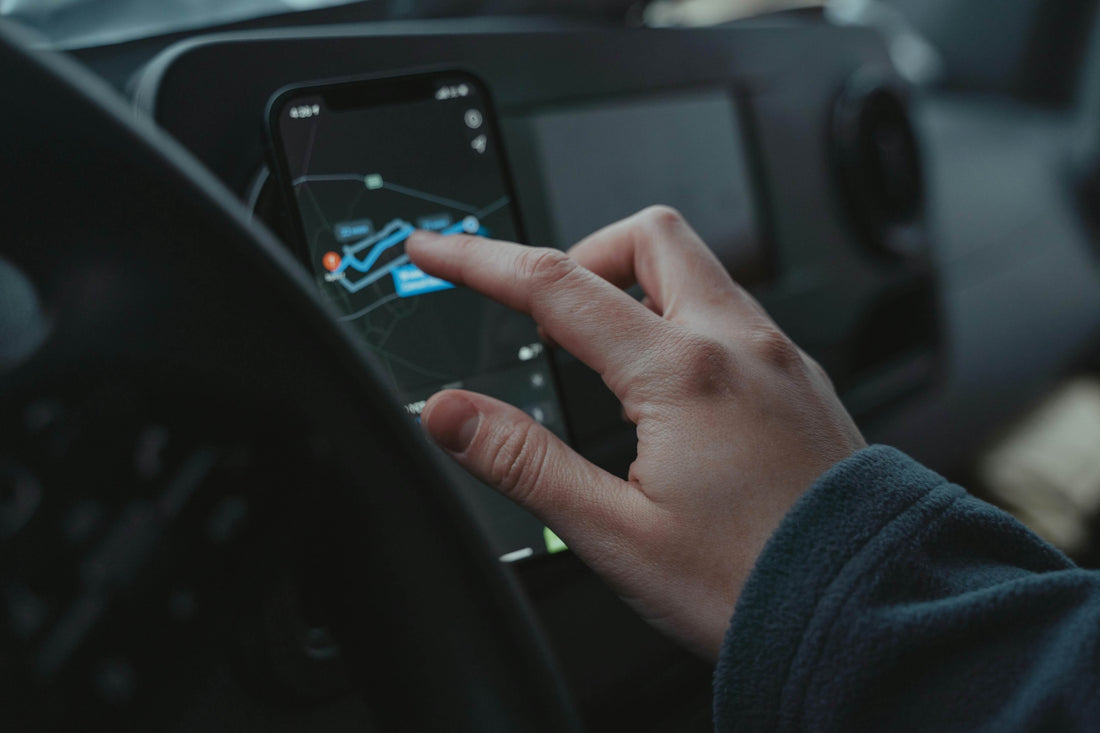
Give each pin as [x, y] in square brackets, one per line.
[366, 163]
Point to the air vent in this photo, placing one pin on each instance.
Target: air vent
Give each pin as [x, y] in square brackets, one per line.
[879, 163]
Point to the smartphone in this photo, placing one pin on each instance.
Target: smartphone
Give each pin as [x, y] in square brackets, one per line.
[363, 163]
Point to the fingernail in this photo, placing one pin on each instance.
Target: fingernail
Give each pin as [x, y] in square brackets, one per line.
[452, 422]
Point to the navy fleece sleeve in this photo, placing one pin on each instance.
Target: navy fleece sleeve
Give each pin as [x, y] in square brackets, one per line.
[890, 599]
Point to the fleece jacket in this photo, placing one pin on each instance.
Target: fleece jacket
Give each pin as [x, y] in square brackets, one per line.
[892, 600]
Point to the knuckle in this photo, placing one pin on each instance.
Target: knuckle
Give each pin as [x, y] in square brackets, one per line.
[545, 267]
[703, 366]
[776, 350]
[662, 217]
[516, 460]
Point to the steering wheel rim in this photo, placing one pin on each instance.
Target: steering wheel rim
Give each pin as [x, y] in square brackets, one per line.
[154, 270]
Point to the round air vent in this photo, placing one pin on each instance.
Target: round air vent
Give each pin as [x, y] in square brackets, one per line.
[879, 162]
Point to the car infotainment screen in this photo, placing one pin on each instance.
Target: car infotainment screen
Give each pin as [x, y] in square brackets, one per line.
[366, 163]
[682, 148]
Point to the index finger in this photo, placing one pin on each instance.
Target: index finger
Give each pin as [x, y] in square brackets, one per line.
[591, 318]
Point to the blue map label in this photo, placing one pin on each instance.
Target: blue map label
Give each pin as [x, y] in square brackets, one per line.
[434, 222]
[346, 231]
[410, 280]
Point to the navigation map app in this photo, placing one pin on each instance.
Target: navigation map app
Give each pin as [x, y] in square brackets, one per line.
[368, 170]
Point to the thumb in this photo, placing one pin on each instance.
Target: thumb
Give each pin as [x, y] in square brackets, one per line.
[507, 449]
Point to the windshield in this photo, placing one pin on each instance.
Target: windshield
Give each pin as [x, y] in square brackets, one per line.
[97, 22]
[80, 23]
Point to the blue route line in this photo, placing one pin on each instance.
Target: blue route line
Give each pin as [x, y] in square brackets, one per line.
[394, 233]
[350, 260]
[403, 231]
[458, 227]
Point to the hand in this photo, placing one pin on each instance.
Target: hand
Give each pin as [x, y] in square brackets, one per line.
[734, 421]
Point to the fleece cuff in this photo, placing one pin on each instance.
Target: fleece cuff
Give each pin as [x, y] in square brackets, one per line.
[837, 530]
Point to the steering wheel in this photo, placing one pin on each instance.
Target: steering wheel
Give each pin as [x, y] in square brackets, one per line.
[207, 498]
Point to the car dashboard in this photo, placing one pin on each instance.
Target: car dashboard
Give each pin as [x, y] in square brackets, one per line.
[873, 223]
